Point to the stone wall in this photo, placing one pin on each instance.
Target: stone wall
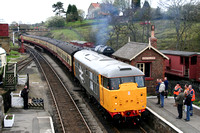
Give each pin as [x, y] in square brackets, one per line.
[5, 44]
[157, 124]
[157, 68]
[1, 112]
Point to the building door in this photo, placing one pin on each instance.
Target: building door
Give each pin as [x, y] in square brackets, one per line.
[186, 72]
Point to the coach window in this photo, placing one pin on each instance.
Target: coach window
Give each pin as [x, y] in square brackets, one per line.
[67, 58]
[194, 60]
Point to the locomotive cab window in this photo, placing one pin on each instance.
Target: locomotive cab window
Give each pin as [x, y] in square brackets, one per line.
[105, 82]
[140, 81]
[113, 83]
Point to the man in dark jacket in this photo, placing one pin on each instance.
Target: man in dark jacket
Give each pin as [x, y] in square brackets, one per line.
[24, 94]
[179, 101]
[157, 90]
[188, 103]
[166, 86]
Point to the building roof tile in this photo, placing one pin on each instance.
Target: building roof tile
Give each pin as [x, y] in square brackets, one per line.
[95, 5]
[132, 49]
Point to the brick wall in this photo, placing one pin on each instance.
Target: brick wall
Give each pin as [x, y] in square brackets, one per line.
[157, 68]
[5, 44]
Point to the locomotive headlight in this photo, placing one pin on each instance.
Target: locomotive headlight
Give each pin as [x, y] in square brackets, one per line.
[115, 103]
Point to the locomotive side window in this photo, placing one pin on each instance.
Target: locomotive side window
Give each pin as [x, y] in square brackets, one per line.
[140, 81]
[91, 82]
[86, 72]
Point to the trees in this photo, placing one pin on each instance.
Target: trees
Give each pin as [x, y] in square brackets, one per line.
[81, 14]
[56, 21]
[122, 5]
[58, 8]
[135, 4]
[72, 13]
[181, 13]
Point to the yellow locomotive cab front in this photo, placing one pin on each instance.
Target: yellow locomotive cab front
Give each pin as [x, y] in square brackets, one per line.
[127, 97]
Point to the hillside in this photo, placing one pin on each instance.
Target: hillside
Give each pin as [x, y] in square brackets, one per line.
[164, 32]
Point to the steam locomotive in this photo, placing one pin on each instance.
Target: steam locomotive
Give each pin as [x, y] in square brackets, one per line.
[118, 87]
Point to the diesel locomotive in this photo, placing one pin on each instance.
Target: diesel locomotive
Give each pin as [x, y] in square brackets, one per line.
[118, 87]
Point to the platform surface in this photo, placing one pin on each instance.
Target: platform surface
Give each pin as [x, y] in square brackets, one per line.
[169, 113]
[30, 121]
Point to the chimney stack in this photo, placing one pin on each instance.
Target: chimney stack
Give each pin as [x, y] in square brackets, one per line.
[153, 39]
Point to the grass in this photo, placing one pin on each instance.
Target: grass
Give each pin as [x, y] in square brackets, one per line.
[78, 23]
[66, 35]
[13, 54]
[196, 103]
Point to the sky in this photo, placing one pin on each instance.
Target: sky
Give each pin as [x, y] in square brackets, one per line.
[36, 11]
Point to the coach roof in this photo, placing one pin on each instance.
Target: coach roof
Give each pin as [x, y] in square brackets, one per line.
[179, 53]
[65, 46]
[106, 66]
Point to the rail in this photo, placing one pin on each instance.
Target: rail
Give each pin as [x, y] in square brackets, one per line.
[70, 117]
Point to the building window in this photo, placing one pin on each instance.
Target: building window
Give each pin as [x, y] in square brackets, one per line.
[141, 66]
[194, 60]
[145, 68]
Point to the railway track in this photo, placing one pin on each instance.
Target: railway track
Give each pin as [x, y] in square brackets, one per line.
[21, 64]
[68, 117]
[107, 126]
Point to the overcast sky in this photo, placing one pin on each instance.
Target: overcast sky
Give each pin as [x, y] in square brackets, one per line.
[36, 11]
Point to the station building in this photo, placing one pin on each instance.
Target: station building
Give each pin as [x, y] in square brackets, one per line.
[147, 58]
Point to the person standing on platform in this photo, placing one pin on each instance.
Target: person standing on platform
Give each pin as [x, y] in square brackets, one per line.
[176, 90]
[192, 94]
[179, 100]
[166, 86]
[24, 95]
[186, 92]
[157, 90]
[162, 92]
[188, 103]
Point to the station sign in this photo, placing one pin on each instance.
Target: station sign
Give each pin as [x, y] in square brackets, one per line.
[148, 58]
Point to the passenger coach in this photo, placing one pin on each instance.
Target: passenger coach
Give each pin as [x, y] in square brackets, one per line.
[62, 50]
